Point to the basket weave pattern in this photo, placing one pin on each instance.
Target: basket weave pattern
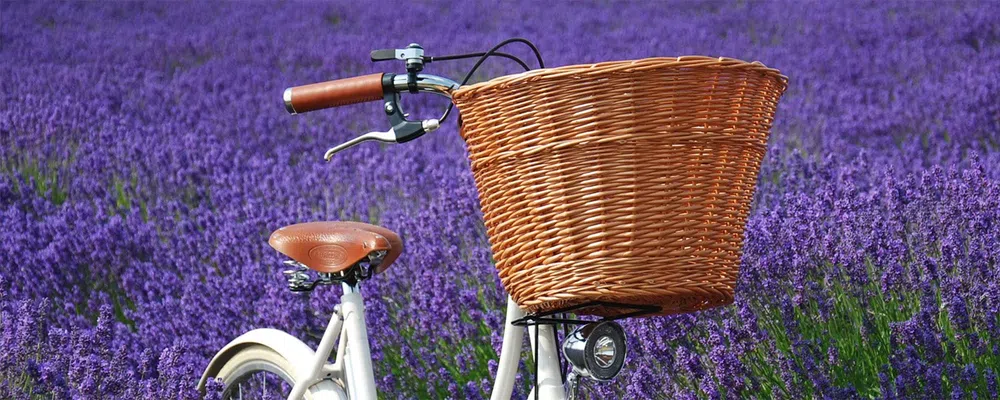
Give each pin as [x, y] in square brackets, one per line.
[622, 181]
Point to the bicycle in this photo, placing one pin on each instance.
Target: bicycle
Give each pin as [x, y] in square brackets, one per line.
[348, 253]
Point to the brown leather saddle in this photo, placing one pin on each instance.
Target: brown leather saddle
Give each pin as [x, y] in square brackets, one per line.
[335, 246]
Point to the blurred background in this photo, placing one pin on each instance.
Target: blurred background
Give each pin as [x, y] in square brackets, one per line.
[145, 157]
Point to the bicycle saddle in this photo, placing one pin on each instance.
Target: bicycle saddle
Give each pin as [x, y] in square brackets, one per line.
[335, 246]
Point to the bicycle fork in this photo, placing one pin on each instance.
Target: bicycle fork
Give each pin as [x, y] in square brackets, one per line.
[550, 386]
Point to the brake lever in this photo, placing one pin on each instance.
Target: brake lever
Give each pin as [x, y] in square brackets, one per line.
[407, 131]
[386, 137]
[402, 131]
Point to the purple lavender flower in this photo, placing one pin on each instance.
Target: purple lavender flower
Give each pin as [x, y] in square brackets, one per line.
[144, 159]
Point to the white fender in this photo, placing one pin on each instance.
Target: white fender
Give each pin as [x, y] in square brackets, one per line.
[298, 354]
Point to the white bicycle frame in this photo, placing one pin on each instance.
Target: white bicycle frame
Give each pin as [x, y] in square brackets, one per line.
[352, 369]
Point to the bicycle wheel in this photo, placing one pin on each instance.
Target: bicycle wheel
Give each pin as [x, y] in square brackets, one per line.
[259, 373]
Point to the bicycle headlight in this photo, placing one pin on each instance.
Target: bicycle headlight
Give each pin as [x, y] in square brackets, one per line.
[596, 350]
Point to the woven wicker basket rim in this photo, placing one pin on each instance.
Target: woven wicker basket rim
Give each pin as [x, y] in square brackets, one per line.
[610, 67]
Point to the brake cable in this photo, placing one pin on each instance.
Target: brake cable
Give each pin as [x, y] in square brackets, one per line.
[492, 52]
[415, 59]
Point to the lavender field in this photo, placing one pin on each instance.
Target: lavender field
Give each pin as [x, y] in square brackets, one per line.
[145, 156]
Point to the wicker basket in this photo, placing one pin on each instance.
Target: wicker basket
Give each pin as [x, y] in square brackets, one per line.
[625, 182]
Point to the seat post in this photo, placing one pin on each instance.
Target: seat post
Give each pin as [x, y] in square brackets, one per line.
[351, 287]
[359, 362]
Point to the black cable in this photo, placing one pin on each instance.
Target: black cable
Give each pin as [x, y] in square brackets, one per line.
[491, 52]
[541, 64]
[470, 55]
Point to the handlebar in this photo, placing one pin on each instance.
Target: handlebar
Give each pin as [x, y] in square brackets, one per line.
[388, 88]
[317, 96]
[360, 89]
[340, 92]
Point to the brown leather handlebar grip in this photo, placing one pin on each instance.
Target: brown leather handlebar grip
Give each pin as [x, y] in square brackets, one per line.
[341, 92]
